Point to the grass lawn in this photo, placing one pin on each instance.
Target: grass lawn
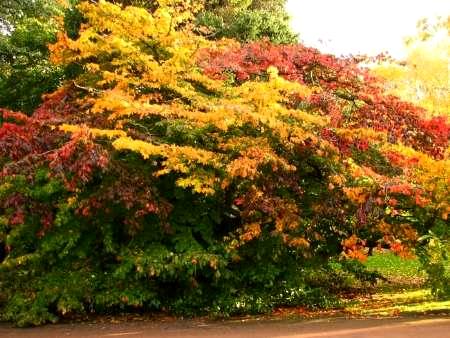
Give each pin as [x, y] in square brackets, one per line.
[400, 303]
[395, 268]
[404, 293]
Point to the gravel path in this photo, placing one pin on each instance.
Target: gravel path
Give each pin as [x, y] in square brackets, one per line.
[419, 327]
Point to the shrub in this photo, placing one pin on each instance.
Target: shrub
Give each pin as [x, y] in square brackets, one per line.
[150, 182]
[434, 256]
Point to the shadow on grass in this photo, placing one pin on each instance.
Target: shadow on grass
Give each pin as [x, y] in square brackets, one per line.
[404, 292]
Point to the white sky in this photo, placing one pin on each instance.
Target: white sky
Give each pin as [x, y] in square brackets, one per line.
[361, 26]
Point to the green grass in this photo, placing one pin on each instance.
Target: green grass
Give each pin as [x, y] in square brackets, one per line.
[419, 308]
[404, 293]
[395, 267]
[400, 303]
[401, 273]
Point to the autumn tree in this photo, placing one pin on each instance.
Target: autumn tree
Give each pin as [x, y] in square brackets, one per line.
[174, 172]
[244, 20]
[423, 77]
[29, 26]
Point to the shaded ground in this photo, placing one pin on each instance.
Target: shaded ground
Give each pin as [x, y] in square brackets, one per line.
[412, 327]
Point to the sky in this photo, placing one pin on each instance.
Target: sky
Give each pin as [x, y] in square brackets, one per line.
[345, 27]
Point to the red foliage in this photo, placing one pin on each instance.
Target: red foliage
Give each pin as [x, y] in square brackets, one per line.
[27, 138]
[30, 142]
[16, 135]
[437, 132]
[294, 62]
[342, 82]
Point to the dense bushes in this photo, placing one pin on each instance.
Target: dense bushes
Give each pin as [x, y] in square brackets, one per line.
[434, 256]
[96, 263]
[179, 174]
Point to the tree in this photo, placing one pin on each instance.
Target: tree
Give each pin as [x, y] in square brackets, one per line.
[25, 71]
[244, 20]
[13, 12]
[173, 172]
[29, 26]
[247, 20]
[423, 78]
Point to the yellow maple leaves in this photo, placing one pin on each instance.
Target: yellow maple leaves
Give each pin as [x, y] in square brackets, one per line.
[251, 231]
[249, 164]
[139, 68]
[180, 159]
[95, 132]
[146, 149]
[431, 175]
[357, 195]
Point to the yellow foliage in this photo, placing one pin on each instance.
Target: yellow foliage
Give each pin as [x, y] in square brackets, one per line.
[357, 194]
[251, 231]
[178, 159]
[362, 133]
[432, 175]
[199, 184]
[252, 158]
[299, 242]
[146, 149]
[188, 154]
[148, 52]
[93, 131]
[287, 218]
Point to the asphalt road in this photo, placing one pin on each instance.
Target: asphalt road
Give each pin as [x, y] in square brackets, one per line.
[421, 327]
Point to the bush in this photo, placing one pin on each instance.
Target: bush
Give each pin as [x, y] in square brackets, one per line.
[434, 254]
[150, 182]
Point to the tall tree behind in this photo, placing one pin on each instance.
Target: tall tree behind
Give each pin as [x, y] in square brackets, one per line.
[423, 78]
[26, 28]
[12, 12]
[247, 20]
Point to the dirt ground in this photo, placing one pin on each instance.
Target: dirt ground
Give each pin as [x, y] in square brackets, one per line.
[417, 327]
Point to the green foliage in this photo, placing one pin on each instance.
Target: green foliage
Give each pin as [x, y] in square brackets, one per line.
[25, 71]
[434, 254]
[95, 264]
[248, 21]
[72, 20]
[13, 12]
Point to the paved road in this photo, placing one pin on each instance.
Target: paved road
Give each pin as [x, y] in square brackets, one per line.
[438, 327]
